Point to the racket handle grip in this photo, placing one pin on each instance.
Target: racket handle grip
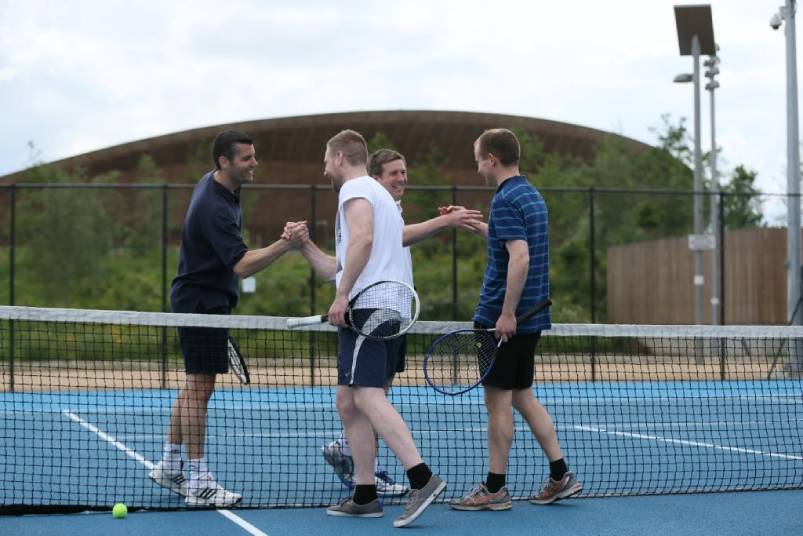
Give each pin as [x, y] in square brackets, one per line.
[306, 321]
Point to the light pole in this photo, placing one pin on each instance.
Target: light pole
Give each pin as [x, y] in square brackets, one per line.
[786, 16]
[712, 63]
[695, 37]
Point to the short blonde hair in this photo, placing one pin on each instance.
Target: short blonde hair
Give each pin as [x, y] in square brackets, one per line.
[351, 144]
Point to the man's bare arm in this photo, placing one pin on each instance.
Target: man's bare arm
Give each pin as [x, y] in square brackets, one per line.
[457, 217]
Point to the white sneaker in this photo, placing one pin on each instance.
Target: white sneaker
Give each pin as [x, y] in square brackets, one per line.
[387, 487]
[175, 482]
[210, 493]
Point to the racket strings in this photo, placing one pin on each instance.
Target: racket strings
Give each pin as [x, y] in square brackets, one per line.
[383, 310]
[461, 359]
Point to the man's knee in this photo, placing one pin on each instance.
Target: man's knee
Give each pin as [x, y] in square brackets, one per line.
[345, 402]
[497, 400]
[199, 387]
[366, 398]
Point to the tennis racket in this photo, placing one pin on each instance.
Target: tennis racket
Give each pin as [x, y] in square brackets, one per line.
[237, 363]
[381, 311]
[459, 360]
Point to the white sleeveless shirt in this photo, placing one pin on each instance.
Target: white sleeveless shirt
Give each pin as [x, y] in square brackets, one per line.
[388, 259]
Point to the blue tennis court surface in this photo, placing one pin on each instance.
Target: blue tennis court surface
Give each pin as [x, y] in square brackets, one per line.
[619, 437]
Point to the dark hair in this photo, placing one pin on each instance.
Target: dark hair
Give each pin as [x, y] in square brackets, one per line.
[501, 143]
[381, 157]
[225, 144]
[351, 144]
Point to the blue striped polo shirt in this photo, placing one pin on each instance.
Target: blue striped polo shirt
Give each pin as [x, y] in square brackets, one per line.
[518, 212]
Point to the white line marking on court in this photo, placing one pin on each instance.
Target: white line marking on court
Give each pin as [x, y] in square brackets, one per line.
[234, 518]
[242, 523]
[688, 443]
[109, 439]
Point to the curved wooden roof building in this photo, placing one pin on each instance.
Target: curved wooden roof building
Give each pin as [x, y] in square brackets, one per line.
[290, 149]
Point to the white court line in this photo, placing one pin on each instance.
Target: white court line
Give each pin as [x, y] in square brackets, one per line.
[109, 439]
[688, 443]
[242, 523]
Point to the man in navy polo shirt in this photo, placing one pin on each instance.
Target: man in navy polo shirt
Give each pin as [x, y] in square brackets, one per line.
[212, 259]
[516, 278]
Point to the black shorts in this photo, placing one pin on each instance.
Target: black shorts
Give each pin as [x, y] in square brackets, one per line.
[205, 350]
[515, 362]
[401, 354]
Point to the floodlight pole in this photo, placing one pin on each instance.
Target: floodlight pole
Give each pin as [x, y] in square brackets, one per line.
[786, 16]
[697, 254]
[712, 63]
[696, 36]
[792, 167]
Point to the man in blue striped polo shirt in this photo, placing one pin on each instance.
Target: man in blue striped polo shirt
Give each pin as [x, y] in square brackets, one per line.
[516, 278]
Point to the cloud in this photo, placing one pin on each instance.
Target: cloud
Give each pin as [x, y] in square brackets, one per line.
[91, 74]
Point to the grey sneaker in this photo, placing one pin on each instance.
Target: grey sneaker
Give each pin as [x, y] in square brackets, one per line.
[419, 500]
[555, 490]
[348, 508]
[480, 498]
[343, 465]
[387, 487]
[175, 482]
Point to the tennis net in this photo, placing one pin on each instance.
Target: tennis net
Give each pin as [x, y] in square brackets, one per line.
[85, 398]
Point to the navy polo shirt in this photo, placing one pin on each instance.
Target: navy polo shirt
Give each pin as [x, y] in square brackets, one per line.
[518, 212]
[211, 245]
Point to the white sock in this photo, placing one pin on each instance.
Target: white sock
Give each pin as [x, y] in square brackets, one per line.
[171, 456]
[198, 470]
[344, 444]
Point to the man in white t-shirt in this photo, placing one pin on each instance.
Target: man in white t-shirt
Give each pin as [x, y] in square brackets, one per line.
[368, 236]
[389, 168]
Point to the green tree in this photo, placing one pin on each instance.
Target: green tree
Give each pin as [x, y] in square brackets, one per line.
[741, 201]
[64, 236]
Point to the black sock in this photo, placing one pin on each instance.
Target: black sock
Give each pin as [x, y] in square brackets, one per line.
[419, 475]
[363, 494]
[557, 469]
[495, 482]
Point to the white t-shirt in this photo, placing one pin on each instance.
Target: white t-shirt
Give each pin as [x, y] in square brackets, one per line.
[388, 259]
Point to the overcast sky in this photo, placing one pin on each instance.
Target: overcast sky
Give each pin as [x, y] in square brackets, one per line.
[82, 75]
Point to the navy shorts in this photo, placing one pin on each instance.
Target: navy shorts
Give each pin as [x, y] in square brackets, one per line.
[205, 350]
[515, 362]
[365, 362]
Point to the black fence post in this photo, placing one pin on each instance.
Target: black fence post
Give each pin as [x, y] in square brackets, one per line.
[721, 252]
[11, 245]
[592, 256]
[313, 224]
[593, 291]
[164, 284]
[12, 242]
[454, 260]
[721, 249]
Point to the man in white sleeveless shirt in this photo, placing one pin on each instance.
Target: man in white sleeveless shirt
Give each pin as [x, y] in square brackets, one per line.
[368, 234]
[389, 168]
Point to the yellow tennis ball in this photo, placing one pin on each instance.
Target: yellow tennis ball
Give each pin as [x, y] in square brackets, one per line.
[120, 511]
